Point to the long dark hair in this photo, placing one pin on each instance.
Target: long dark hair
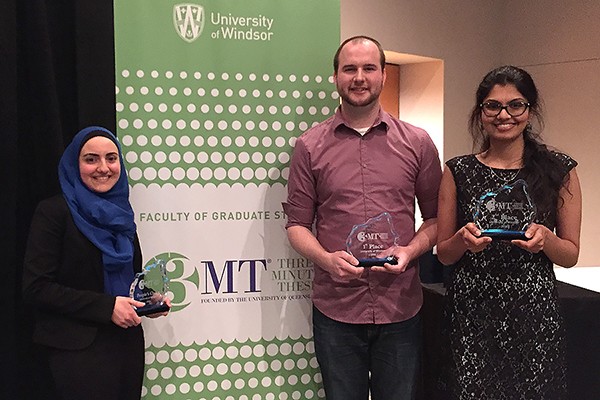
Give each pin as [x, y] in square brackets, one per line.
[544, 172]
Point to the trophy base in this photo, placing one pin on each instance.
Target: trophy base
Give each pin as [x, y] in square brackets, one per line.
[501, 234]
[376, 262]
[152, 309]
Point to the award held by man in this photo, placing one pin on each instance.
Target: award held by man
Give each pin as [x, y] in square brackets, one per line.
[505, 214]
[367, 240]
[150, 287]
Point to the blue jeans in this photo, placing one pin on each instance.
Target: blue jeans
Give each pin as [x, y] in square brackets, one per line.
[356, 358]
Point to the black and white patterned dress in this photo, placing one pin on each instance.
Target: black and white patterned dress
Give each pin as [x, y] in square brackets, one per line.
[502, 313]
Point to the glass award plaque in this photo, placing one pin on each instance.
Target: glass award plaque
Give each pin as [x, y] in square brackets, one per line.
[150, 287]
[505, 214]
[367, 240]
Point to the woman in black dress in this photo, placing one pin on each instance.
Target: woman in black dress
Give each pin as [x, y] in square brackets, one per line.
[505, 330]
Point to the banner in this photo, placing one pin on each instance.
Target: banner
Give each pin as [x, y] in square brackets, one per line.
[210, 98]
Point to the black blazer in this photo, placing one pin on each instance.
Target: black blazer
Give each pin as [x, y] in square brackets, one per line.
[63, 279]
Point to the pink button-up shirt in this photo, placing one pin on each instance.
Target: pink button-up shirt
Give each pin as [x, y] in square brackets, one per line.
[338, 179]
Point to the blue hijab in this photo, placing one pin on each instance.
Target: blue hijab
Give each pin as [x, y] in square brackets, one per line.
[106, 219]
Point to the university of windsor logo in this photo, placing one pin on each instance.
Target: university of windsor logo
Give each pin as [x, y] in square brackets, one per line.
[189, 21]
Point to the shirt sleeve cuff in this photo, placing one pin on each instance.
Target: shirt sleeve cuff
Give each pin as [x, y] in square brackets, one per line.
[298, 216]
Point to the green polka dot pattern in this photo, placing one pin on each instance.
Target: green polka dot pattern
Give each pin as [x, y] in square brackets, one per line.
[262, 370]
[202, 127]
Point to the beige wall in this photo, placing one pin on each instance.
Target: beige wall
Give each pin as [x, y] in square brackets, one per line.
[558, 42]
[421, 98]
[562, 52]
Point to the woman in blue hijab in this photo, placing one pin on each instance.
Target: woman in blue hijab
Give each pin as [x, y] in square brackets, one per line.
[81, 257]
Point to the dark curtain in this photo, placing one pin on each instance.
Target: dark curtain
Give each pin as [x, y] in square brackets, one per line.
[56, 77]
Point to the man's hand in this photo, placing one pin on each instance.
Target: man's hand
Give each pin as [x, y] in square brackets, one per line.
[342, 265]
[402, 258]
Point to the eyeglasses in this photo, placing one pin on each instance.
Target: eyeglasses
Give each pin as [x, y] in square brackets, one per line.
[494, 108]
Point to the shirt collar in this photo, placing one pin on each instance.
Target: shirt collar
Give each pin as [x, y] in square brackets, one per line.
[383, 118]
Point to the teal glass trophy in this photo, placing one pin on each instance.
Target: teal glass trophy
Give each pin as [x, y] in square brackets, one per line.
[370, 238]
[150, 287]
[505, 213]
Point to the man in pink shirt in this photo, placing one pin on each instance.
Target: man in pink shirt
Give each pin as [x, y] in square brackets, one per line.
[350, 168]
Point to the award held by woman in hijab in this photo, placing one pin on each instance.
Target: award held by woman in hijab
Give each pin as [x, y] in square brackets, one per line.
[150, 287]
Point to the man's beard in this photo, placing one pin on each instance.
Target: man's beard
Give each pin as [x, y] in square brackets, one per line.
[347, 98]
